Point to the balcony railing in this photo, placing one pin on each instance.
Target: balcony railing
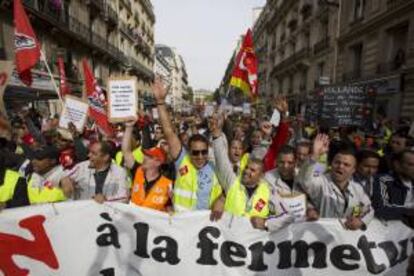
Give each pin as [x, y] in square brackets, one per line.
[137, 66]
[97, 4]
[111, 15]
[390, 67]
[79, 28]
[127, 30]
[321, 45]
[394, 4]
[127, 4]
[48, 12]
[99, 42]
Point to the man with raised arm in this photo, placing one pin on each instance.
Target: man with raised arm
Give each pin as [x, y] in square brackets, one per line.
[196, 186]
[248, 194]
[335, 194]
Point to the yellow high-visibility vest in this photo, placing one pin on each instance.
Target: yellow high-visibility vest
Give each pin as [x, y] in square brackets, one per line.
[238, 203]
[137, 153]
[186, 186]
[9, 184]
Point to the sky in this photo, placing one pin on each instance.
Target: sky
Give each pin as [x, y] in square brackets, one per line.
[204, 32]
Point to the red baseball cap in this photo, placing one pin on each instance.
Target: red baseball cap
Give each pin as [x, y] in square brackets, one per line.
[156, 153]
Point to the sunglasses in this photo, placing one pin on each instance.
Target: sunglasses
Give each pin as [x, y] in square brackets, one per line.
[199, 152]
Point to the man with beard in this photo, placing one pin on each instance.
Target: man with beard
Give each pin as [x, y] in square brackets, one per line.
[334, 193]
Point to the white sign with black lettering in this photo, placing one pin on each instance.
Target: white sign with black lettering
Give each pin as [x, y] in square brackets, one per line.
[122, 99]
[275, 120]
[296, 204]
[75, 111]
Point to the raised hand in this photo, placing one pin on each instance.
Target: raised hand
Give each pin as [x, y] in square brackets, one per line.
[320, 145]
[281, 104]
[130, 123]
[159, 90]
[216, 124]
[72, 129]
[266, 128]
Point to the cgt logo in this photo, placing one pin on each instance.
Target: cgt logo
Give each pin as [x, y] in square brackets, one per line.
[23, 41]
[38, 248]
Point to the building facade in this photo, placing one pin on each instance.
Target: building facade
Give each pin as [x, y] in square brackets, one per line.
[376, 48]
[178, 78]
[302, 45]
[115, 36]
[295, 45]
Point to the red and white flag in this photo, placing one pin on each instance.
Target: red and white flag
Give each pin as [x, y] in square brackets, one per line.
[244, 74]
[27, 46]
[96, 99]
[64, 87]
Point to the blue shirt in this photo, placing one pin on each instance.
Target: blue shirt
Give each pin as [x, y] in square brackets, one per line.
[205, 177]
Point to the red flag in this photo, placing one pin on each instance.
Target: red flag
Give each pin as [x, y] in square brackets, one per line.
[64, 87]
[27, 46]
[244, 75]
[96, 99]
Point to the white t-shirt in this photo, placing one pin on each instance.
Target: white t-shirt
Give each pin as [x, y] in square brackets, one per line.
[409, 200]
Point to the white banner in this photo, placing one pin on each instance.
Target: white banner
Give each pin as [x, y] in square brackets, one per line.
[84, 238]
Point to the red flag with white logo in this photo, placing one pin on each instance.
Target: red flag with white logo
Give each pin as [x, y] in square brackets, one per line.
[244, 74]
[64, 87]
[96, 99]
[27, 46]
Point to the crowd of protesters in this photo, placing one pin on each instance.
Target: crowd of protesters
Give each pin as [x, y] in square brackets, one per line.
[226, 162]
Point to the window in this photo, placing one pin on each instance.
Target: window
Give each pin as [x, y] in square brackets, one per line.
[307, 40]
[398, 50]
[2, 47]
[359, 8]
[356, 59]
[319, 70]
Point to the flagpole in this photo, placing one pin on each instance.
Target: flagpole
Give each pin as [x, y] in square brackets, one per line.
[52, 79]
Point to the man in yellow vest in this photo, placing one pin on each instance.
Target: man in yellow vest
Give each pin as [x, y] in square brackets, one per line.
[196, 186]
[247, 195]
[40, 186]
[150, 188]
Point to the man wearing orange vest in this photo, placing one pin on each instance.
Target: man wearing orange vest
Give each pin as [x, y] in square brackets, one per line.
[149, 187]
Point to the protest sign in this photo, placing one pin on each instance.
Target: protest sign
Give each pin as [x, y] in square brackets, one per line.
[237, 109]
[275, 119]
[296, 203]
[123, 100]
[247, 109]
[209, 111]
[76, 111]
[121, 239]
[155, 113]
[340, 105]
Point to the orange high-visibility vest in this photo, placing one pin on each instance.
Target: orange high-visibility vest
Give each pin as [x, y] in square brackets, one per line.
[158, 195]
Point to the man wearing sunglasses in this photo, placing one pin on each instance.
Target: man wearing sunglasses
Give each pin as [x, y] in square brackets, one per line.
[196, 186]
